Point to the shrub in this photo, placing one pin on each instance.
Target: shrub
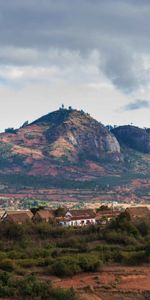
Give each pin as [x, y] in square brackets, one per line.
[20, 271]
[121, 237]
[143, 227]
[6, 291]
[7, 265]
[26, 263]
[131, 258]
[63, 268]
[70, 265]
[11, 231]
[89, 263]
[61, 294]
[4, 278]
[30, 287]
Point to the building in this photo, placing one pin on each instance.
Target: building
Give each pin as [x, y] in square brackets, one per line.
[138, 213]
[44, 215]
[17, 217]
[105, 216]
[78, 218]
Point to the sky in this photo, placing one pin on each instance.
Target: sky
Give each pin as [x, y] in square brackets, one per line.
[89, 54]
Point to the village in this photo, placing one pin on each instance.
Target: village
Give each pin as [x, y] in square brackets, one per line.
[72, 217]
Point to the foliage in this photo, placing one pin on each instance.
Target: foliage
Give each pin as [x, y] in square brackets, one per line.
[71, 265]
[10, 130]
[60, 211]
[5, 150]
[6, 265]
[32, 288]
[29, 249]
[103, 208]
[13, 232]
[26, 123]
[23, 180]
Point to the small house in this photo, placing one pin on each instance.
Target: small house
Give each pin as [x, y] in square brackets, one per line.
[78, 218]
[103, 217]
[138, 212]
[17, 217]
[44, 215]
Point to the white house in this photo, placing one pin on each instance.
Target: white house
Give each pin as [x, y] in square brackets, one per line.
[78, 218]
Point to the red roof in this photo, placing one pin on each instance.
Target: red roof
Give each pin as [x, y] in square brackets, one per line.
[81, 213]
[138, 212]
[17, 217]
[44, 214]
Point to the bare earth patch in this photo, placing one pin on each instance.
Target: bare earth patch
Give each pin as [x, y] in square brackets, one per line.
[112, 283]
[135, 282]
[88, 296]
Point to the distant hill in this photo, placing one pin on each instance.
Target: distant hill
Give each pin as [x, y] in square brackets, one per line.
[133, 137]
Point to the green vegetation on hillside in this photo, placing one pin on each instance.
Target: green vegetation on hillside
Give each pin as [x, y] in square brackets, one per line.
[102, 183]
[31, 252]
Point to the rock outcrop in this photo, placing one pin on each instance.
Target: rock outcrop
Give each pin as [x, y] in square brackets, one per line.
[134, 137]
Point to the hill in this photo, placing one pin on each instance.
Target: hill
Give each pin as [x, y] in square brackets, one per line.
[69, 149]
[133, 137]
[57, 144]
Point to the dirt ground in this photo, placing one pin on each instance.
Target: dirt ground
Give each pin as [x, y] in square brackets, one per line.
[112, 283]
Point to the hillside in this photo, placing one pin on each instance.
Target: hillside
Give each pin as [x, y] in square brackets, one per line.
[59, 142]
[134, 137]
[69, 149]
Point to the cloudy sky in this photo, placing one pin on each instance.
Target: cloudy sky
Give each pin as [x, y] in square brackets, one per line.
[91, 54]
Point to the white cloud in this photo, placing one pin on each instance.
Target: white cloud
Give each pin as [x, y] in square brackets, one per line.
[89, 54]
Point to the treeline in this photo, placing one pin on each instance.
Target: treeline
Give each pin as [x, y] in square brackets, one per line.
[102, 183]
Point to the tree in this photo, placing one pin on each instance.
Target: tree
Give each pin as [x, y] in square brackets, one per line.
[103, 208]
[24, 124]
[62, 106]
[10, 130]
[60, 211]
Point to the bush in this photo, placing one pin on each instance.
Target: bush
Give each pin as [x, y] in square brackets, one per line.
[131, 258]
[71, 265]
[11, 231]
[143, 227]
[30, 287]
[61, 294]
[7, 265]
[119, 237]
[4, 278]
[65, 267]
[89, 263]
[27, 263]
[6, 291]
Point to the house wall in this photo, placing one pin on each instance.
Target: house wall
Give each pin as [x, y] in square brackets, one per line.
[81, 222]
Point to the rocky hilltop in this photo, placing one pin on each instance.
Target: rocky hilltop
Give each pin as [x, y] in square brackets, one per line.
[70, 144]
[56, 143]
[134, 137]
[72, 134]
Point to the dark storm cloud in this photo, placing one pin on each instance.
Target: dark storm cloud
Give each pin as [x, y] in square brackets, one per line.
[137, 104]
[118, 30]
